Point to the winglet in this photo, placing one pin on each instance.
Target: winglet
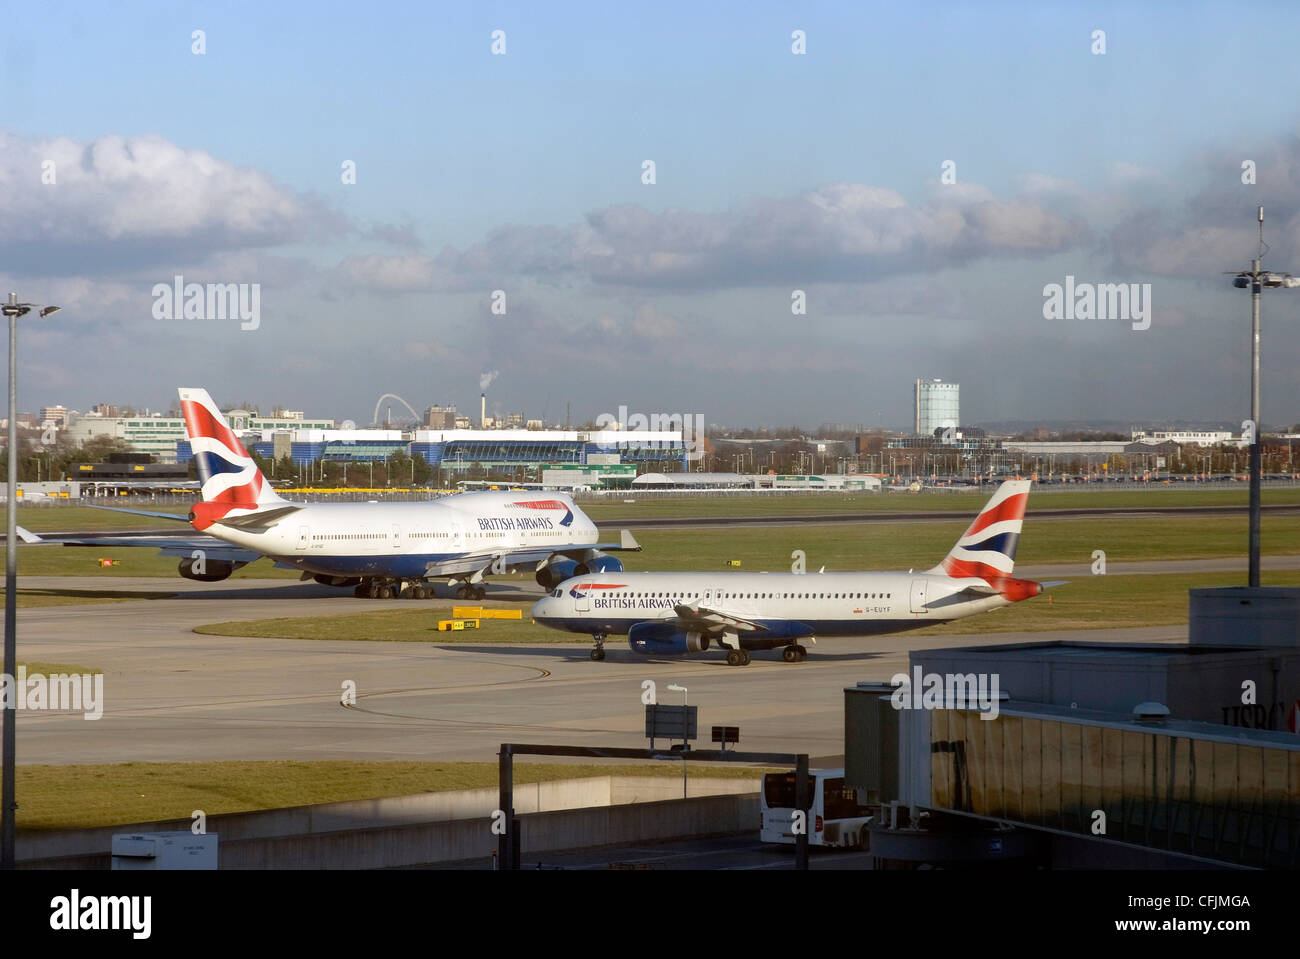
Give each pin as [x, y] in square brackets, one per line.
[628, 541]
[26, 536]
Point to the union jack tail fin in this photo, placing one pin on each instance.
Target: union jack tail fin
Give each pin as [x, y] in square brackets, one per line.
[988, 547]
[231, 483]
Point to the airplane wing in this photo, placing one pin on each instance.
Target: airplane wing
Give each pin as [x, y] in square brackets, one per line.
[183, 546]
[626, 542]
[174, 517]
[527, 558]
[713, 621]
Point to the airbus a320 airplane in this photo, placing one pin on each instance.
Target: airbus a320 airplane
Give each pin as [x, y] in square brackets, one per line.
[677, 613]
[381, 549]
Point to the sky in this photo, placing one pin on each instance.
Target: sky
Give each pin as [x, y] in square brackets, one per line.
[845, 197]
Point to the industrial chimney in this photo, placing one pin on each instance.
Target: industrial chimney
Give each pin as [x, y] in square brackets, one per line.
[482, 415]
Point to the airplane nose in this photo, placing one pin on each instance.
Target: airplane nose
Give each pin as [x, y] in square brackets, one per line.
[539, 608]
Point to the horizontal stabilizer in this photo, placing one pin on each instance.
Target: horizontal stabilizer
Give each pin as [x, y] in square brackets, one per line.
[263, 517]
[979, 589]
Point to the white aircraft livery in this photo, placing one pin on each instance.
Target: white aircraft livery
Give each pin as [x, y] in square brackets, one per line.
[381, 549]
[678, 613]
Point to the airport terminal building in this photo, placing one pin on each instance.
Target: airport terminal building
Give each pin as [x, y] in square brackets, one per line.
[460, 451]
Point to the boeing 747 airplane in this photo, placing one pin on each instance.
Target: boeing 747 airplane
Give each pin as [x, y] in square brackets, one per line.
[382, 550]
[678, 613]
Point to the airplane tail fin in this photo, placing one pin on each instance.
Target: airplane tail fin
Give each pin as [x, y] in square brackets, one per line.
[230, 481]
[988, 547]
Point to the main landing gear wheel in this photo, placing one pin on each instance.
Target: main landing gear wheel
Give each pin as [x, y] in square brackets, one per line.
[478, 592]
[790, 654]
[738, 657]
[801, 653]
[462, 592]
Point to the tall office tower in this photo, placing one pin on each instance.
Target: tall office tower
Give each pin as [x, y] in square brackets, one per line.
[936, 406]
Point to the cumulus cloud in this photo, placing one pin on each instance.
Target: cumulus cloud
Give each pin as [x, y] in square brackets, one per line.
[1215, 228]
[839, 232]
[119, 202]
[377, 273]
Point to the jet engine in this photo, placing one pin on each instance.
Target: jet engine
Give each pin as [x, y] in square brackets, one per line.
[212, 570]
[665, 639]
[553, 574]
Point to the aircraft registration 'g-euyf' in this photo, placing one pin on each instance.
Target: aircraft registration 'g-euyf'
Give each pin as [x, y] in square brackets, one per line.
[677, 613]
[382, 549]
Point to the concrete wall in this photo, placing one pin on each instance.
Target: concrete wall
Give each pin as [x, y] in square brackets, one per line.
[447, 823]
[469, 839]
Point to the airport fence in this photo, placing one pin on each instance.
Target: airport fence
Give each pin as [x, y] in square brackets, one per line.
[156, 499]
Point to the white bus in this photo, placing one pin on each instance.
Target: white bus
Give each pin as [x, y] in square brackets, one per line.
[836, 818]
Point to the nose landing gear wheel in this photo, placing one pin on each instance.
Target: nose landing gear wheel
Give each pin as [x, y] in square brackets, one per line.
[598, 654]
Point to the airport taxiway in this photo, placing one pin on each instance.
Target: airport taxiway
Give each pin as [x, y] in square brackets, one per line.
[175, 695]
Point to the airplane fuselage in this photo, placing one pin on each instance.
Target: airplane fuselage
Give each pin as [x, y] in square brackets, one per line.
[785, 604]
[412, 539]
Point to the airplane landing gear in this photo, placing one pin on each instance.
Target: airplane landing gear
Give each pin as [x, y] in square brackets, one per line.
[738, 657]
[465, 591]
[377, 588]
[794, 654]
[598, 654]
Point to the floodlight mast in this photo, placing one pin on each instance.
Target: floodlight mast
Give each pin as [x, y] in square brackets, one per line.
[8, 803]
[1257, 279]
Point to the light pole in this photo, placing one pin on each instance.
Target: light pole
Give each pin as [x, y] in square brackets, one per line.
[8, 806]
[1256, 279]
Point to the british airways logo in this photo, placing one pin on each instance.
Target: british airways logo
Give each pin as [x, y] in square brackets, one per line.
[516, 522]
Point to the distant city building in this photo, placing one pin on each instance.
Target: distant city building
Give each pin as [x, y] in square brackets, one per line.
[935, 405]
[1199, 437]
[440, 418]
[156, 435]
[58, 415]
[243, 421]
[162, 436]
